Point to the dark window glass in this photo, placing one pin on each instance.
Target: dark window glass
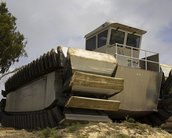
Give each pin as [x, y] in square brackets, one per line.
[117, 37]
[133, 40]
[91, 43]
[102, 38]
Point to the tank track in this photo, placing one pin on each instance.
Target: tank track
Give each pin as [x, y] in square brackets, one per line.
[163, 117]
[49, 117]
[53, 60]
[165, 113]
[33, 120]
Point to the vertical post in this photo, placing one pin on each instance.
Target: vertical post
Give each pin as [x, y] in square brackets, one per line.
[159, 64]
[146, 60]
[131, 56]
[116, 52]
[159, 67]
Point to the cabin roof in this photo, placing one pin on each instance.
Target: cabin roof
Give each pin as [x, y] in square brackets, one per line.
[116, 25]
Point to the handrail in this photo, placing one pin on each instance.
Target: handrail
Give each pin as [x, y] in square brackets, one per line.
[135, 58]
[117, 44]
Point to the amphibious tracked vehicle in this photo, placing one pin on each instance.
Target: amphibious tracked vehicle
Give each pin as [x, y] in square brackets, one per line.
[111, 79]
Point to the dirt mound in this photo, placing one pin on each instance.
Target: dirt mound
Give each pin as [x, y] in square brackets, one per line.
[91, 130]
[115, 130]
[12, 133]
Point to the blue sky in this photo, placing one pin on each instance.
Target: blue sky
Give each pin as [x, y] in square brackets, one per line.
[47, 24]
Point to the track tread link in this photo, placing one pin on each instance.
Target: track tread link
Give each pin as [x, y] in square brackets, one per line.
[31, 120]
[44, 64]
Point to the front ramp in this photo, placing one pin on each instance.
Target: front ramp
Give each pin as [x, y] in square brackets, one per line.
[92, 103]
[86, 83]
[96, 84]
[91, 62]
[86, 117]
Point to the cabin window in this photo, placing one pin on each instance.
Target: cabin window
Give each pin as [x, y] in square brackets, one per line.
[133, 40]
[102, 38]
[91, 43]
[117, 37]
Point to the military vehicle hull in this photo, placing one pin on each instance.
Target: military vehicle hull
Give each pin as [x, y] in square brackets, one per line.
[65, 91]
[74, 84]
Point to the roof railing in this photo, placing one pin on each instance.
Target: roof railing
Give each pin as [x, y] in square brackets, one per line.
[132, 58]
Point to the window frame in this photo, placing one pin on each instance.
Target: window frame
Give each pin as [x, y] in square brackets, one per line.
[96, 34]
[117, 30]
[125, 37]
[135, 35]
[95, 42]
[109, 29]
[106, 29]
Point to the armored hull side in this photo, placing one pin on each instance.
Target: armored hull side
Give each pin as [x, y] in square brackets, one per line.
[55, 88]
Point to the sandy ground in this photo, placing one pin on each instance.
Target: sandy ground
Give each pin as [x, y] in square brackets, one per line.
[12, 133]
[91, 130]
